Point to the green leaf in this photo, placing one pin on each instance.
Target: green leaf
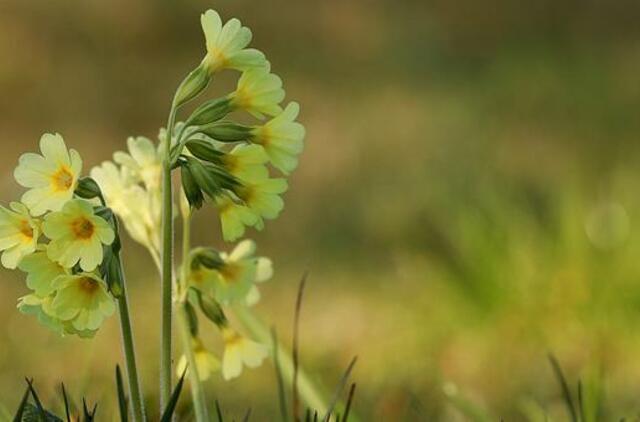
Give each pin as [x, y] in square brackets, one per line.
[173, 402]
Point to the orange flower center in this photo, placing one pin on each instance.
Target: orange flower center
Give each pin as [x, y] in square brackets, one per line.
[26, 229]
[62, 180]
[82, 228]
[88, 285]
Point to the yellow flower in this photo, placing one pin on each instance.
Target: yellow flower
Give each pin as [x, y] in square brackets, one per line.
[246, 162]
[234, 218]
[258, 92]
[207, 364]
[137, 208]
[237, 273]
[51, 177]
[143, 162]
[282, 138]
[239, 351]
[18, 234]
[226, 44]
[41, 271]
[77, 235]
[82, 300]
[262, 196]
[264, 272]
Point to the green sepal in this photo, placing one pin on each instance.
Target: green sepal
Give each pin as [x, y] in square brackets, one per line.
[210, 308]
[192, 318]
[227, 131]
[191, 189]
[88, 188]
[210, 112]
[204, 150]
[195, 82]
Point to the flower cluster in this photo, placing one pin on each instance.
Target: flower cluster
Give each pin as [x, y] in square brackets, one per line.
[131, 188]
[60, 240]
[226, 162]
[217, 279]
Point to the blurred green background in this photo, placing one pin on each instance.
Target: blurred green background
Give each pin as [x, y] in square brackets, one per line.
[468, 199]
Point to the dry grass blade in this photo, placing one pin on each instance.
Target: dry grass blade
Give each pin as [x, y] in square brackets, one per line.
[23, 405]
[296, 347]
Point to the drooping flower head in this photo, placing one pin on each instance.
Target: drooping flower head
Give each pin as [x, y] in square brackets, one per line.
[246, 162]
[18, 234]
[82, 300]
[239, 351]
[226, 44]
[258, 92]
[50, 177]
[282, 138]
[77, 235]
[234, 217]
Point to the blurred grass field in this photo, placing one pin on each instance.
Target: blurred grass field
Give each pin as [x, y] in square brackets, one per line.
[468, 199]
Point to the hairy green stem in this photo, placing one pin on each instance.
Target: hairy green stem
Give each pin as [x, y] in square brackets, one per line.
[308, 391]
[167, 266]
[137, 403]
[197, 392]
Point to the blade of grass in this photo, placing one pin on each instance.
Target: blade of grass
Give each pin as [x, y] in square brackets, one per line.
[219, 412]
[167, 416]
[66, 403]
[340, 389]
[41, 410]
[347, 409]
[247, 416]
[122, 397]
[282, 395]
[296, 347]
[566, 393]
[23, 404]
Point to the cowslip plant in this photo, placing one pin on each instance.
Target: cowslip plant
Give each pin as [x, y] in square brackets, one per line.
[64, 233]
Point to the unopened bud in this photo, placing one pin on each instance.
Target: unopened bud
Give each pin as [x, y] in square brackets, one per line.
[192, 85]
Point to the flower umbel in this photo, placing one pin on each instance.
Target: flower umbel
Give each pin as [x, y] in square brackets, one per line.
[18, 234]
[77, 235]
[50, 177]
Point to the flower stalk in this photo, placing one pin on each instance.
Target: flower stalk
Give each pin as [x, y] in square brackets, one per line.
[167, 264]
[137, 404]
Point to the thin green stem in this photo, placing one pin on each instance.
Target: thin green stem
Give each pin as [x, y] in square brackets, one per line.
[308, 391]
[167, 266]
[197, 392]
[137, 403]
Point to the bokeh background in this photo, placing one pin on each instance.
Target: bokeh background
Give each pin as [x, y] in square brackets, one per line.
[468, 201]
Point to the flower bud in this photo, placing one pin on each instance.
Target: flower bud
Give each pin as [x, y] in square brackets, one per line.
[211, 309]
[88, 188]
[209, 112]
[204, 150]
[207, 258]
[206, 181]
[192, 319]
[113, 274]
[192, 85]
[227, 131]
[191, 190]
